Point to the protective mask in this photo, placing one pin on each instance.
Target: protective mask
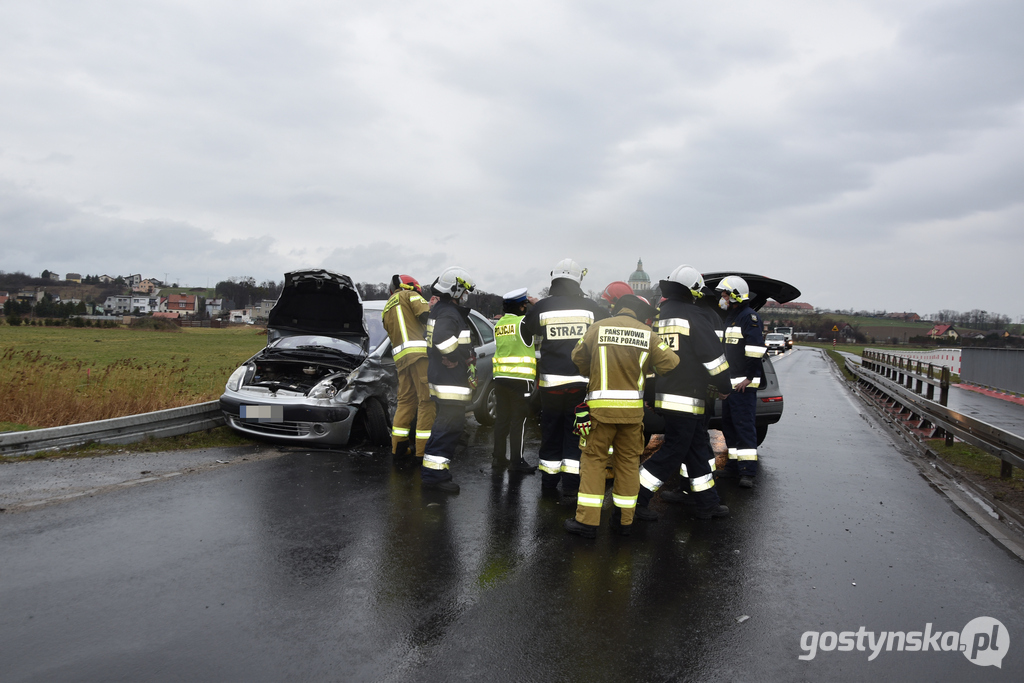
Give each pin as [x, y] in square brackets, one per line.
[723, 304]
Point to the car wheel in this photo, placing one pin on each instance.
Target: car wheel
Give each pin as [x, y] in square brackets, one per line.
[375, 423]
[487, 411]
[762, 432]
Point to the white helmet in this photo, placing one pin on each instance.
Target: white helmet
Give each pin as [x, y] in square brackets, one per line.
[456, 282]
[688, 277]
[736, 286]
[568, 269]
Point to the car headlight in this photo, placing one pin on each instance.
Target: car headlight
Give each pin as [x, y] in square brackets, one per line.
[235, 380]
[325, 389]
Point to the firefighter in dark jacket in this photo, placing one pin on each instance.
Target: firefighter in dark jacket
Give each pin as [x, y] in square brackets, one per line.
[405, 318]
[514, 372]
[681, 397]
[616, 354]
[559, 321]
[744, 349]
[449, 347]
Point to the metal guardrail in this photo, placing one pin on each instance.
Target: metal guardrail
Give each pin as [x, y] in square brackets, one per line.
[118, 430]
[906, 372]
[912, 408]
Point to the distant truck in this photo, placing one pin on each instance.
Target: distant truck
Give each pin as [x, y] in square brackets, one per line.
[788, 333]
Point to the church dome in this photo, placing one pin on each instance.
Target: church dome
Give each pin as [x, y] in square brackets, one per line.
[639, 280]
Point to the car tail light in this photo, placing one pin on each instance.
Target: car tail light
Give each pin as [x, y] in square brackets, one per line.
[772, 399]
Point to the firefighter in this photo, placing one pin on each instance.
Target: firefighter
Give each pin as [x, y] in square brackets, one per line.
[405, 319]
[449, 348]
[744, 349]
[515, 371]
[615, 354]
[559, 321]
[681, 397]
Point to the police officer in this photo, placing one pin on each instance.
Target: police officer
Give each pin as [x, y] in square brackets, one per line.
[559, 321]
[680, 397]
[515, 370]
[449, 347]
[405, 319]
[744, 349]
[616, 355]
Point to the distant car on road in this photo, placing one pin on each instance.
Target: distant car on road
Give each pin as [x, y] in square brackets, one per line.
[327, 372]
[775, 342]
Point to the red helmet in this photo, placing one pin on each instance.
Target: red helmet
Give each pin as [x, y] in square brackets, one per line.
[404, 282]
[615, 291]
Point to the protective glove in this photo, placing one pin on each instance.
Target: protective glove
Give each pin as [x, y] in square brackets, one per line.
[581, 427]
[471, 375]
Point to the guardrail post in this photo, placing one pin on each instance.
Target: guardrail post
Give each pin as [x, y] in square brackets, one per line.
[930, 392]
[944, 397]
[1005, 470]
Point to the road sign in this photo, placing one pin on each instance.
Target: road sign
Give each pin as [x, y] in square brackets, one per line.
[835, 328]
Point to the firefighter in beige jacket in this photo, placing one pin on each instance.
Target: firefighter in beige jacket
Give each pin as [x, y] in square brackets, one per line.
[616, 354]
[405, 316]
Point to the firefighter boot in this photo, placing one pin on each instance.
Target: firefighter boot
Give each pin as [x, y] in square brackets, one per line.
[617, 526]
[716, 511]
[521, 466]
[579, 528]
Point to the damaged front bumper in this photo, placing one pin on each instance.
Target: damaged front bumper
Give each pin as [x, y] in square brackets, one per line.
[292, 419]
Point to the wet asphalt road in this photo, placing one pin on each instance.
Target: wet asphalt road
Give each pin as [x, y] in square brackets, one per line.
[334, 566]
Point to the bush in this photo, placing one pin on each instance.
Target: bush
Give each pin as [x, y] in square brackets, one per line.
[156, 324]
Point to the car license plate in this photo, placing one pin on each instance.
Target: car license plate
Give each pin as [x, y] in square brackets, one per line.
[262, 413]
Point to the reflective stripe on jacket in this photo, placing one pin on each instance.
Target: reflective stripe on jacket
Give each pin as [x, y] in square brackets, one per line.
[449, 346]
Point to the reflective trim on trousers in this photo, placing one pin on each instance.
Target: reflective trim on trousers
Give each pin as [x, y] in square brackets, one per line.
[422, 433]
[395, 431]
[589, 500]
[451, 393]
[682, 471]
[649, 481]
[698, 484]
[732, 453]
[435, 462]
[717, 366]
[548, 381]
[571, 466]
[678, 403]
[746, 454]
[624, 501]
[550, 466]
[754, 351]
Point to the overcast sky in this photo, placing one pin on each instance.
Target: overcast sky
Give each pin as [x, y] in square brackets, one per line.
[870, 152]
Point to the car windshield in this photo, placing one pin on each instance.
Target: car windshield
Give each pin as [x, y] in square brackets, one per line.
[315, 343]
[775, 337]
[374, 326]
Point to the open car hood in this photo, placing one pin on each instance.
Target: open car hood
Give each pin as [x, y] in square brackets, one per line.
[318, 301]
[761, 288]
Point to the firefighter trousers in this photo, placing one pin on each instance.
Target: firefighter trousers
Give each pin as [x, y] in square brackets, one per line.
[687, 449]
[559, 447]
[449, 424]
[414, 404]
[627, 440]
[739, 425]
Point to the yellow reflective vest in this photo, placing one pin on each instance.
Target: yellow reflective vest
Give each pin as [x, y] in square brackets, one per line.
[513, 358]
[402, 322]
[616, 354]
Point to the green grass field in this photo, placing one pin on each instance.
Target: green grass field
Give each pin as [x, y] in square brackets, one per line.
[63, 375]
